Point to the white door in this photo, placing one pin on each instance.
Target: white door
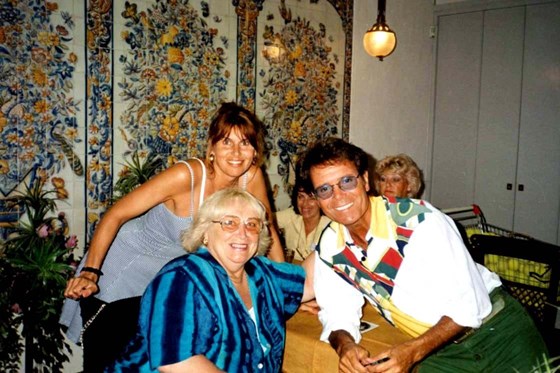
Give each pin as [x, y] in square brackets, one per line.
[456, 109]
[498, 127]
[497, 116]
[537, 206]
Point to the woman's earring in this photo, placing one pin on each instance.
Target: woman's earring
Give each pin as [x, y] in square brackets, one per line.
[254, 162]
[205, 241]
[211, 158]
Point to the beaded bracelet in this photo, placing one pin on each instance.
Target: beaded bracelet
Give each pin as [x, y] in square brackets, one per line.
[97, 271]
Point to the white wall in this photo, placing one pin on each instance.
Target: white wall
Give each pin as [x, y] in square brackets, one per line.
[391, 100]
[75, 363]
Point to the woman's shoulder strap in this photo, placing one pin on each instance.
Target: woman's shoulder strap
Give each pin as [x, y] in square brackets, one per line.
[245, 180]
[202, 185]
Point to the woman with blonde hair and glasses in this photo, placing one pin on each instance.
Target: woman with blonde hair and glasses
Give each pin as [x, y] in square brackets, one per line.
[224, 306]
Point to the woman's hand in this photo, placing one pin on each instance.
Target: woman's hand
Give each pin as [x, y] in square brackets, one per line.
[82, 286]
[311, 306]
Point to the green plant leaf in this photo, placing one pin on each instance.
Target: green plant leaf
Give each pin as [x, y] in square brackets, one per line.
[135, 173]
[33, 274]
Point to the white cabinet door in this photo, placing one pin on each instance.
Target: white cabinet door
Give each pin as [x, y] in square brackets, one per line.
[456, 109]
[537, 206]
[498, 122]
[497, 116]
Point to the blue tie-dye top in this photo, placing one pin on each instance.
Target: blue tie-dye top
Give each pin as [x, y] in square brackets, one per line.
[191, 308]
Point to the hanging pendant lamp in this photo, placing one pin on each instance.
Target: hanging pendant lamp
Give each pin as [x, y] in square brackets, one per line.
[380, 41]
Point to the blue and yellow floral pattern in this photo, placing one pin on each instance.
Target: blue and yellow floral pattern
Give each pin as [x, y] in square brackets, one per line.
[301, 92]
[152, 77]
[247, 12]
[99, 28]
[174, 78]
[38, 126]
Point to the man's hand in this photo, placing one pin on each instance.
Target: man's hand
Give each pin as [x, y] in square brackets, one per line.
[352, 356]
[404, 356]
[398, 359]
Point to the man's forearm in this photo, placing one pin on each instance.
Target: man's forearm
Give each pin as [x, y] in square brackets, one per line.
[445, 331]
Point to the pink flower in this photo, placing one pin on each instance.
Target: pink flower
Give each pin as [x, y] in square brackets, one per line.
[74, 265]
[43, 231]
[71, 242]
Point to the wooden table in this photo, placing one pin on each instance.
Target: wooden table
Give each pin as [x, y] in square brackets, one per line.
[306, 353]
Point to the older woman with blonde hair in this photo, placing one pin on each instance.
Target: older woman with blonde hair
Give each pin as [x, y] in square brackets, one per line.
[398, 176]
[224, 306]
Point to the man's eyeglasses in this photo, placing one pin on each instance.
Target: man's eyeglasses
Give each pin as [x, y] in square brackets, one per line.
[345, 183]
[231, 223]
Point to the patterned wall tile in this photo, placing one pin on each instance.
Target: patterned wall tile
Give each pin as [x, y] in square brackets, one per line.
[96, 81]
[39, 133]
[301, 90]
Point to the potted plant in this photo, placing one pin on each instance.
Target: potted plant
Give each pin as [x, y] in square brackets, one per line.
[35, 262]
[135, 173]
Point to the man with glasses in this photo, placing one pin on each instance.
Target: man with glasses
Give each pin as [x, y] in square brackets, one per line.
[408, 260]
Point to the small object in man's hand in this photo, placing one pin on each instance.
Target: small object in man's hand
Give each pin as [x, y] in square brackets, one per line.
[380, 361]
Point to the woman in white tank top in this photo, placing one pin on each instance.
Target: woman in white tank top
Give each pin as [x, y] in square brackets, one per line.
[234, 156]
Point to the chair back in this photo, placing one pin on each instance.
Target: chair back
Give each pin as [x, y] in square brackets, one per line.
[530, 272]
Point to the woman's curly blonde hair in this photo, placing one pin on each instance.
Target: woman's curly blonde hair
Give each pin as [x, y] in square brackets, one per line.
[403, 165]
[218, 205]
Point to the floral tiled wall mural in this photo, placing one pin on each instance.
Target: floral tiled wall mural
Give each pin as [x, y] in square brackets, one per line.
[40, 104]
[301, 90]
[84, 85]
[38, 125]
[99, 77]
[174, 77]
